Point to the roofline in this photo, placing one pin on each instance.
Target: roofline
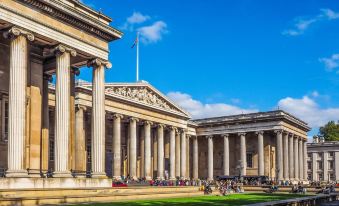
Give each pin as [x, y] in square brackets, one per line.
[140, 83]
[286, 115]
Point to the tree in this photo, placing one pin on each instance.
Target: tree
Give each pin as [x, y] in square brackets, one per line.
[330, 131]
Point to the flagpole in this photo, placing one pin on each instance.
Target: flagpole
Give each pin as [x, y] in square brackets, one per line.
[137, 75]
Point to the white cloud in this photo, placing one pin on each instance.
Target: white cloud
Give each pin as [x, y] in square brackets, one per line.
[308, 110]
[150, 33]
[330, 14]
[153, 33]
[331, 63]
[137, 18]
[302, 24]
[200, 110]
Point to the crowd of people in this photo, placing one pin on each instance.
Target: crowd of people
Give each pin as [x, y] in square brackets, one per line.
[235, 185]
[229, 186]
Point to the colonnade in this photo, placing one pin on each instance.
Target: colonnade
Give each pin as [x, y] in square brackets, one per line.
[177, 141]
[19, 52]
[291, 155]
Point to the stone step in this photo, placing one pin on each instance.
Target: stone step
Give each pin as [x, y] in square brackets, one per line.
[26, 193]
[73, 199]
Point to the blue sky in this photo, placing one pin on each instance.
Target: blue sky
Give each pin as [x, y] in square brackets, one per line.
[220, 57]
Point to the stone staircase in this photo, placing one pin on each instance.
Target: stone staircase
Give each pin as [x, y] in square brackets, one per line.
[73, 196]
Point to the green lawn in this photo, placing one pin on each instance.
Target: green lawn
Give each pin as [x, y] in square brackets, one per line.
[234, 199]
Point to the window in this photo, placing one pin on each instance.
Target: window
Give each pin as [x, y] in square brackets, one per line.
[331, 154]
[320, 177]
[330, 165]
[320, 165]
[332, 177]
[249, 160]
[309, 165]
[4, 119]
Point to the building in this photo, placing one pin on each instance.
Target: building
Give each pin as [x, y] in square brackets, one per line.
[323, 161]
[86, 133]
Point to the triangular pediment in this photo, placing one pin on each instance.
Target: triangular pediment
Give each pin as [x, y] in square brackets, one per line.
[144, 94]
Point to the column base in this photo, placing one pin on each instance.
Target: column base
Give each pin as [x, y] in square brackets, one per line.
[65, 174]
[160, 178]
[172, 178]
[134, 178]
[210, 179]
[16, 173]
[100, 175]
[148, 178]
[117, 178]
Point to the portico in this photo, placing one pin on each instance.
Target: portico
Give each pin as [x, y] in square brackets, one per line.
[258, 144]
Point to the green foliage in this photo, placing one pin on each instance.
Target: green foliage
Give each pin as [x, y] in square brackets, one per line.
[330, 131]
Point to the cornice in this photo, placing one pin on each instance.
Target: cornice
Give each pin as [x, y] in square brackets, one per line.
[65, 13]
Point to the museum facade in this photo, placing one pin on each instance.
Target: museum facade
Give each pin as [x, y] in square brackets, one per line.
[83, 134]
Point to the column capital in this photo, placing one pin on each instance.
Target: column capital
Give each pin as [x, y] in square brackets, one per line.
[117, 116]
[82, 107]
[161, 125]
[60, 49]
[133, 119]
[15, 31]
[188, 136]
[278, 131]
[259, 132]
[147, 122]
[181, 130]
[209, 137]
[99, 62]
[241, 134]
[225, 135]
[172, 128]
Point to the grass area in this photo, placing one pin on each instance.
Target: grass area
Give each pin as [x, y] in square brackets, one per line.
[234, 199]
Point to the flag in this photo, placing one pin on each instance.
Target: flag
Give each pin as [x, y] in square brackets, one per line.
[135, 42]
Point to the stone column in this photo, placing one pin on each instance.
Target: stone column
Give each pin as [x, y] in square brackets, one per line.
[336, 165]
[147, 162]
[195, 158]
[325, 165]
[279, 165]
[291, 156]
[261, 167]
[296, 159]
[142, 151]
[116, 143]
[172, 153]
[314, 166]
[62, 111]
[305, 159]
[160, 134]
[285, 156]
[226, 155]
[183, 155]
[133, 148]
[177, 154]
[17, 100]
[188, 137]
[243, 164]
[210, 157]
[80, 140]
[45, 125]
[301, 162]
[98, 116]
